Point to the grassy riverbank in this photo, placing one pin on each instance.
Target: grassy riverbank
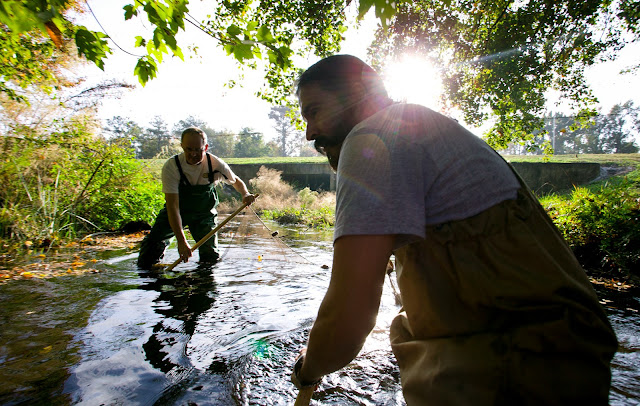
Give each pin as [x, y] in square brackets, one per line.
[603, 159]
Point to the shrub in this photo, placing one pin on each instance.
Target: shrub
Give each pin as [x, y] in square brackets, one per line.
[67, 183]
[274, 192]
[321, 218]
[601, 227]
[307, 197]
[280, 202]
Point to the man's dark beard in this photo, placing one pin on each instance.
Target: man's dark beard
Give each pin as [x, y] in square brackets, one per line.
[324, 141]
[332, 153]
[330, 145]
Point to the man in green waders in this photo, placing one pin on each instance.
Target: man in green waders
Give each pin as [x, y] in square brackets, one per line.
[496, 308]
[188, 184]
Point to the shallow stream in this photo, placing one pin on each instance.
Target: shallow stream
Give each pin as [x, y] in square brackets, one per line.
[226, 334]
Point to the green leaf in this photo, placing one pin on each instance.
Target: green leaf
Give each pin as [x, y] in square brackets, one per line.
[286, 52]
[140, 42]
[92, 45]
[242, 52]
[171, 42]
[178, 52]
[363, 8]
[273, 57]
[251, 26]
[234, 30]
[385, 10]
[129, 11]
[264, 35]
[280, 57]
[146, 69]
[19, 18]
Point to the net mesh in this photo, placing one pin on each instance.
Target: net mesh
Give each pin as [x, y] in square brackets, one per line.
[246, 236]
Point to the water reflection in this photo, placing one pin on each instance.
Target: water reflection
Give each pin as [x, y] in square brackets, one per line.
[625, 367]
[183, 297]
[222, 334]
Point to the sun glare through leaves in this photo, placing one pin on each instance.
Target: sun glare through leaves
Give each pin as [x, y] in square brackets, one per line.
[414, 79]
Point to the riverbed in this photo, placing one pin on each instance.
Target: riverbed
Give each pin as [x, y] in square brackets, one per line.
[225, 334]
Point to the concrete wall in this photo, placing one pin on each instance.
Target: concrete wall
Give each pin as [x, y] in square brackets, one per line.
[541, 177]
[544, 178]
[300, 175]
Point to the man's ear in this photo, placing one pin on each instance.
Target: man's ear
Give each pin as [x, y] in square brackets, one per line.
[357, 92]
[358, 101]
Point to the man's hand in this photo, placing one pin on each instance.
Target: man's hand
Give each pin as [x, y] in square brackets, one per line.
[184, 250]
[248, 198]
[299, 381]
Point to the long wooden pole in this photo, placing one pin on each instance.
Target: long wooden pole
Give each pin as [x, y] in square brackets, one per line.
[211, 233]
[304, 396]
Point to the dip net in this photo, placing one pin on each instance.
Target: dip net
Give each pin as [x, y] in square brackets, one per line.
[247, 237]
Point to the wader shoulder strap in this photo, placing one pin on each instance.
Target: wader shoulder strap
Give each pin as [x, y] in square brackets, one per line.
[211, 171]
[183, 178]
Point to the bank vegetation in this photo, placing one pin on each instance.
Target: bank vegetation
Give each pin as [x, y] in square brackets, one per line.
[55, 193]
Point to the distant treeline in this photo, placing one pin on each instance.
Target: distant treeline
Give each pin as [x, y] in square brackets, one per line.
[157, 141]
[613, 133]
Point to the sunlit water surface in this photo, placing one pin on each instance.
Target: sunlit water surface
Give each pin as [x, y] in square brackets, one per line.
[220, 335]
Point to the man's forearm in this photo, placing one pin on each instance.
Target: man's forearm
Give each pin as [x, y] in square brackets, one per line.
[332, 345]
[240, 187]
[175, 221]
[349, 309]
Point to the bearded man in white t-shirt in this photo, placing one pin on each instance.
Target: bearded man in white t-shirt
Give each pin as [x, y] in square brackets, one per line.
[188, 183]
[496, 308]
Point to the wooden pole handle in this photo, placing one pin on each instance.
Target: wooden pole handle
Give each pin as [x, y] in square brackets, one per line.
[211, 233]
[304, 396]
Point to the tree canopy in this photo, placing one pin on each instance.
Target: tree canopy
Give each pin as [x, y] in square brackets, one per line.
[497, 58]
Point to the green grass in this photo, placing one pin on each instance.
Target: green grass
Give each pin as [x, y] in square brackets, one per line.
[277, 160]
[154, 166]
[157, 163]
[602, 159]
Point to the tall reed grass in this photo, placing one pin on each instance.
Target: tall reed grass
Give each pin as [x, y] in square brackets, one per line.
[279, 201]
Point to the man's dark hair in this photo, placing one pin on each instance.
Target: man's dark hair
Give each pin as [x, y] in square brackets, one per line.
[336, 72]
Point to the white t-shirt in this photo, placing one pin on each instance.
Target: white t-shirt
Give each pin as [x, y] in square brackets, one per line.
[196, 174]
[407, 167]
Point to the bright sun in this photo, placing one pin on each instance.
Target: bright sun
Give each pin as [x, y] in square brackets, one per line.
[414, 80]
